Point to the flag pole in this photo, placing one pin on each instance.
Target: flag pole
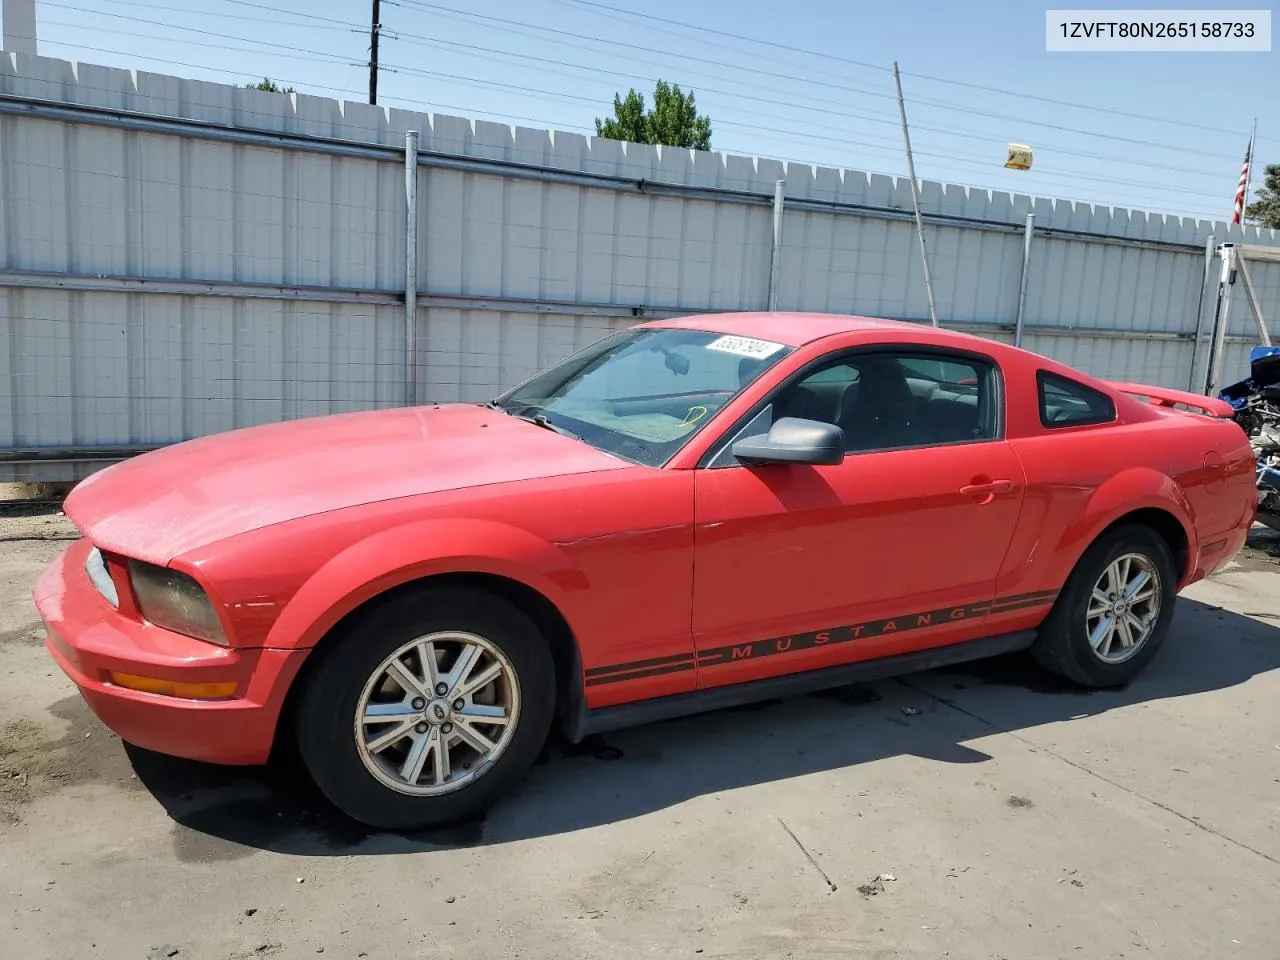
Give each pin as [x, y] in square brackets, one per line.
[1248, 184]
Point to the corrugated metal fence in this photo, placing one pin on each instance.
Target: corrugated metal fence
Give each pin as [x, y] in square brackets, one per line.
[180, 257]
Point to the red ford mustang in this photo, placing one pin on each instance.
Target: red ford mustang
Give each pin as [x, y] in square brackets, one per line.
[689, 514]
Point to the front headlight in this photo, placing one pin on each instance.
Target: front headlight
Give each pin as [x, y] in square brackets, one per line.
[95, 565]
[173, 600]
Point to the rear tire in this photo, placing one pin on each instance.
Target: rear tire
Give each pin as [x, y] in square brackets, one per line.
[400, 745]
[1114, 612]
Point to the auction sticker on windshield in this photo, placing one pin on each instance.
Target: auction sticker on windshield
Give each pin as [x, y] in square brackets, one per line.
[745, 346]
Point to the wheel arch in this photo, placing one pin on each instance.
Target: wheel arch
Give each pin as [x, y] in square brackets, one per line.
[1167, 526]
[1148, 498]
[1057, 644]
[546, 616]
[531, 574]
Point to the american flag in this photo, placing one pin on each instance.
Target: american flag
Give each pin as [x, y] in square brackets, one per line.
[1243, 186]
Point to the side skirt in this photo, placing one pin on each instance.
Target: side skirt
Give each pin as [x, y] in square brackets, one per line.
[582, 721]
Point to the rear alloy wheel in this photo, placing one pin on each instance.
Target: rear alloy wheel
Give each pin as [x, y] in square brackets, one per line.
[1114, 611]
[1124, 608]
[428, 709]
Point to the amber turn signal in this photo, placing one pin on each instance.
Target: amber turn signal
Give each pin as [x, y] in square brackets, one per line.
[175, 688]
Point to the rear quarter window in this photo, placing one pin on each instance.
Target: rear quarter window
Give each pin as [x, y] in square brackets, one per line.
[1068, 403]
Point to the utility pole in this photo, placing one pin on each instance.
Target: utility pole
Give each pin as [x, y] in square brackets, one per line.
[915, 196]
[375, 28]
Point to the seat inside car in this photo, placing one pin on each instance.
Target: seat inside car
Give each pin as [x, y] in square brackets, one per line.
[806, 400]
[953, 417]
[877, 405]
[883, 411]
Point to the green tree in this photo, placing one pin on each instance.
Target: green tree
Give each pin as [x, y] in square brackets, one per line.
[1265, 211]
[269, 86]
[673, 121]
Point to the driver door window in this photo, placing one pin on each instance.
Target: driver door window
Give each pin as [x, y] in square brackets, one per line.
[888, 401]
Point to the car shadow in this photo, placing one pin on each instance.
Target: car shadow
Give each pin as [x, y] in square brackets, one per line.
[226, 813]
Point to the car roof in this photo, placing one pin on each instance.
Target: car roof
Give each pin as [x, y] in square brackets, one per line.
[798, 329]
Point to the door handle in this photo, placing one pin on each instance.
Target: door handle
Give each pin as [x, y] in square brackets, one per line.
[986, 492]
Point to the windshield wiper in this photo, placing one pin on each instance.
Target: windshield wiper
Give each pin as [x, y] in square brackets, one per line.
[540, 420]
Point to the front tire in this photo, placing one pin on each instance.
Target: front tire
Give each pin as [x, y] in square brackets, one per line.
[1115, 611]
[429, 708]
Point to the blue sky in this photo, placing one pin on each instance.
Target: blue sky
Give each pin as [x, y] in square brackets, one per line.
[1162, 132]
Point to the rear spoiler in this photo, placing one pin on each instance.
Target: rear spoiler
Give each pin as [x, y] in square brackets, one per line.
[1169, 397]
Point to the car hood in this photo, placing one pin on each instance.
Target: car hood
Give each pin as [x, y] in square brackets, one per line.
[167, 502]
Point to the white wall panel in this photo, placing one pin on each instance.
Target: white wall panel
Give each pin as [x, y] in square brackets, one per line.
[87, 367]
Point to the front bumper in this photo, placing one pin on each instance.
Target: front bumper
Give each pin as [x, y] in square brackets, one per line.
[89, 638]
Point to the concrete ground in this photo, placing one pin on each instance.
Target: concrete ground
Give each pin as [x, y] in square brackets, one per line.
[1004, 814]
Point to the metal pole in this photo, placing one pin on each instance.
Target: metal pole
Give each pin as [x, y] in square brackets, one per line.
[1198, 343]
[375, 29]
[411, 267]
[1253, 302]
[1222, 316]
[915, 196]
[1248, 181]
[1022, 284]
[775, 256]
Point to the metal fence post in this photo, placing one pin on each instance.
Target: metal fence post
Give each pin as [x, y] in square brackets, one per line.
[1222, 316]
[915, 197]
[411, 267]
[1198, 343]
[1022, 282]
[775, 257]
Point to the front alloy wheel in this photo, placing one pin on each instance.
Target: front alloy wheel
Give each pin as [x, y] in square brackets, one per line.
[437, 713]
[426, 708]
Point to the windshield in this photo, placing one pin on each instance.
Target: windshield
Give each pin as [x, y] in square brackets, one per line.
[643, 393]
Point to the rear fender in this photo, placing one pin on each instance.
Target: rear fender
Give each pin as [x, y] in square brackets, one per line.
[1136, 488]
[412, 552]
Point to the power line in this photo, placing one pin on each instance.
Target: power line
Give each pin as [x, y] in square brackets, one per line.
[724, 33]
[431, 106]
[614, 13]
[187, 63]
[1064, 129]
[536, 93]
[324, 23]
[419, 40]
[949, 106]
[617, 13]
[557, 35]
[476, 112]
[501, 56]
[844, 112]
[1069, 103]
[951, 156]
[277, 9]
[837, 113]
[450, 11]
[283, 50]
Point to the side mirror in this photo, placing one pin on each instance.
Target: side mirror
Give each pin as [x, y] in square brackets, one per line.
[792, 440]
